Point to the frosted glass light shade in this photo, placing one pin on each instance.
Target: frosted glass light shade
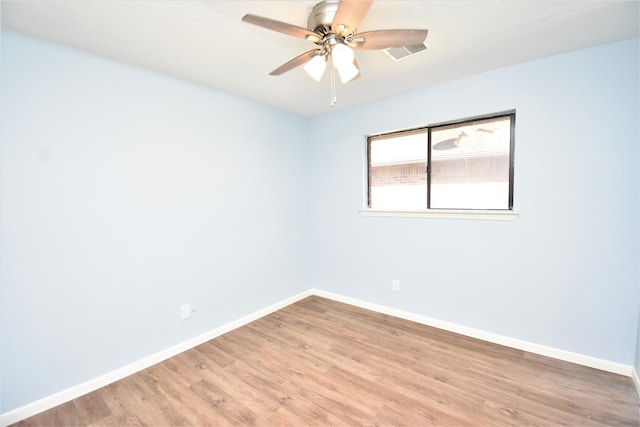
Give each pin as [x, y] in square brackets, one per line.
[348, 72]
[342, 55]
[315, 68]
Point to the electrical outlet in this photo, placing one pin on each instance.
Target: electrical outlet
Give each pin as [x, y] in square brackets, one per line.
[185, 311]
[395, 285]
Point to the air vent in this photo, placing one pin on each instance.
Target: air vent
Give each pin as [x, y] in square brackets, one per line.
[398, 53]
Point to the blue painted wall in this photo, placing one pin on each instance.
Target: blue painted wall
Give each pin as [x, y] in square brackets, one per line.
[565, 273]
[126, 193]
[636, 365]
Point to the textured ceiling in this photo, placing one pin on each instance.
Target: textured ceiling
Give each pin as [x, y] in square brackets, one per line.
[205, 41]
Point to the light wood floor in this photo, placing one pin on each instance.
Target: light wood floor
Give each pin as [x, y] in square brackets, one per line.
[319, 362]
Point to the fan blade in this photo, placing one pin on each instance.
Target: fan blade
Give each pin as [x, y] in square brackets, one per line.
[295, 62]
[382, 39]
[281, 27]
[349, 15]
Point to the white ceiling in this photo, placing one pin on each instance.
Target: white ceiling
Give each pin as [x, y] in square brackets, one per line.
[205, 41]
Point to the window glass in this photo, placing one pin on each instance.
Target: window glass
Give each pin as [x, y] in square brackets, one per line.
[462, 165]
[470, 165]
[397, 171]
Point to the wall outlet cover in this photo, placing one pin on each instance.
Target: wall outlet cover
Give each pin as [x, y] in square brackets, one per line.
[185, 311]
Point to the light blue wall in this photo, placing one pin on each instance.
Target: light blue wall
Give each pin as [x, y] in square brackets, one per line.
[565, 273]
[637, 360]
[636, 365]
[126, 193]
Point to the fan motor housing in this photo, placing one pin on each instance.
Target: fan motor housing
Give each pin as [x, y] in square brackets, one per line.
[321, 16]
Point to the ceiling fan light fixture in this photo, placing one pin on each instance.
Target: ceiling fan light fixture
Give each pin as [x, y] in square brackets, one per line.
[348, 72]
[315, 68]
[331, 26]
[342, 55]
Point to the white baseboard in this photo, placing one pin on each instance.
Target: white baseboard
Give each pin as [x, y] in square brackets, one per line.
[555, 353]
[64, 396]
[636, 380]
[106, 379]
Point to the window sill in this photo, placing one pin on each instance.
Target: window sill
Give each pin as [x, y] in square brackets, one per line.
[494, 215]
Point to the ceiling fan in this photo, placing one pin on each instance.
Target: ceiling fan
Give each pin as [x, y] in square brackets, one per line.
[332, 26]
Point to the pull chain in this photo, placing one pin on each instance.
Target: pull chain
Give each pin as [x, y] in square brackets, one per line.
[333, 85]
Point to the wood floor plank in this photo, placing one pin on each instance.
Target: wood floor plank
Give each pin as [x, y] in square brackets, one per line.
[174, 381]
[319, 362]
[124, 404]
[91, 407]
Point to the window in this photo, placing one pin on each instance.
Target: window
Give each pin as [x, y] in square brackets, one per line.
[460, 165]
